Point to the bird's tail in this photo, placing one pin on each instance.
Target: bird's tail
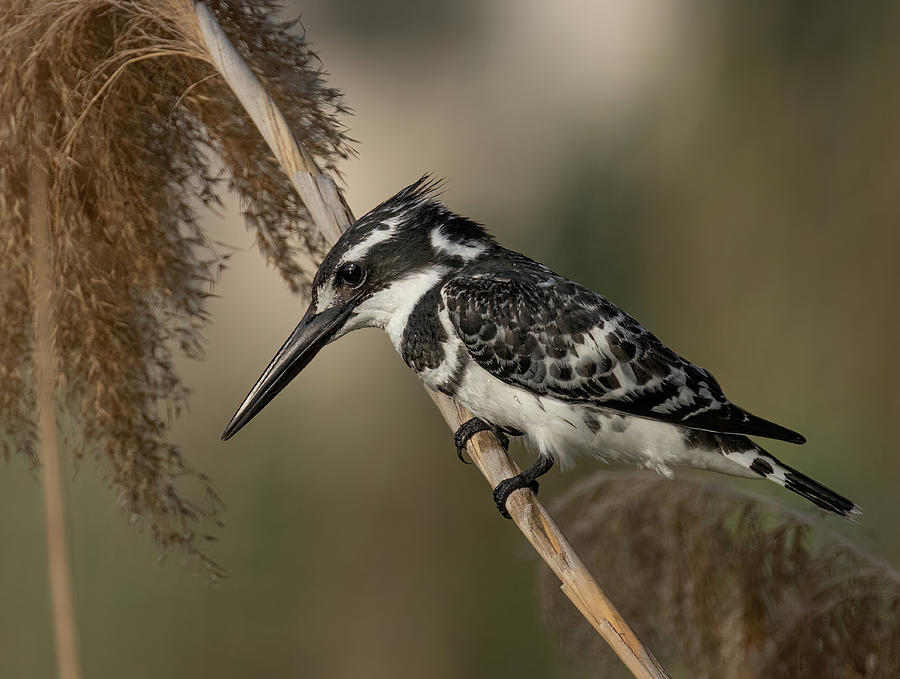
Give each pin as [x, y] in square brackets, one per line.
[761, 462]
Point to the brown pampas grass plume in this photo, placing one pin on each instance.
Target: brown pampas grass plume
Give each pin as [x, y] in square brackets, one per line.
[115, 128]
[726, 584]
[118, 104]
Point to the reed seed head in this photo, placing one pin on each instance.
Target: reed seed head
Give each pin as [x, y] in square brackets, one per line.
[724, 583]
[119, 102]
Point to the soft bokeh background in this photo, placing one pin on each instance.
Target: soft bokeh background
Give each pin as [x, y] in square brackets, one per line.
[727, 172]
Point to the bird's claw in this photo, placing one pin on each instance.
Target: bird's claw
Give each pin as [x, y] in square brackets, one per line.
[471, 427]
[525, 479]
[509, 486]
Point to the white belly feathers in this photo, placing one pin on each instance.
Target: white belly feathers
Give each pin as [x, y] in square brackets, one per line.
[564, 430]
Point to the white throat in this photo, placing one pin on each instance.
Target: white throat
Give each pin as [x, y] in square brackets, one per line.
[389, 309]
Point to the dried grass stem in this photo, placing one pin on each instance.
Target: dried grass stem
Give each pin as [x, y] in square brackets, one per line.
[45, 363]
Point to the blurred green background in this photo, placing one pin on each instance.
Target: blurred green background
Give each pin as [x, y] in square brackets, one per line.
[727, 172]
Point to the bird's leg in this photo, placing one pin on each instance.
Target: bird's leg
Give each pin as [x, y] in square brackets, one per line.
[471, 427]
[525, 479]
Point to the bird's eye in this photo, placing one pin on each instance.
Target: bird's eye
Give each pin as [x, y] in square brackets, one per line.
[350, 274]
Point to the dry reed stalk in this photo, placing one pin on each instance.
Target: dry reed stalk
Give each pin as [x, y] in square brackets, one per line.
[45, 379]
[315, 187]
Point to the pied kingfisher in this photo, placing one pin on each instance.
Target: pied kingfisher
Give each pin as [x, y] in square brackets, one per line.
[527, 351]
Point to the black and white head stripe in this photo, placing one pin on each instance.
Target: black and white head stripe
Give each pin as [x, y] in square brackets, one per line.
[386, 220]
[406, 233]
[417, 210]
[400, 212]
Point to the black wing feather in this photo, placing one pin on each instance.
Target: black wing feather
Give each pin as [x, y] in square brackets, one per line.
[534, 329]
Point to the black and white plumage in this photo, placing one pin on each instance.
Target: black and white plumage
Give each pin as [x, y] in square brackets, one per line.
[524, 349]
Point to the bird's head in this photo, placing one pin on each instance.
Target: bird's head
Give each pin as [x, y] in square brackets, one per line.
[376, 272]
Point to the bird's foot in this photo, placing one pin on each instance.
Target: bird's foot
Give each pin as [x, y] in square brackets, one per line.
[509, 486]
[525, 479]
[471, 427]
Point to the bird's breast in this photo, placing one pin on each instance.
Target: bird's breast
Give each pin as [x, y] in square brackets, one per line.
[429, 345]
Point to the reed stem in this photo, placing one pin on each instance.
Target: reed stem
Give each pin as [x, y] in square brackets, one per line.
[63, 609]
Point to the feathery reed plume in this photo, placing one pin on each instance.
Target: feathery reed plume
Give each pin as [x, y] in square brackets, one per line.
[121, 103]
[113, 126]
[728, 584]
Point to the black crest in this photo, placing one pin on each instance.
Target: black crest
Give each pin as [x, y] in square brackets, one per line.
[418, 208]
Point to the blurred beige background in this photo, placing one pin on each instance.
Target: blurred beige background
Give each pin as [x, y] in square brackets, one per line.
[727, 172]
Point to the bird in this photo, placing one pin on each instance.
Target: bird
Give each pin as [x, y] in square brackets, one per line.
[527, 351]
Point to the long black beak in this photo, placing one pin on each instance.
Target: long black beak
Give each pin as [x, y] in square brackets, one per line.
[313, 333]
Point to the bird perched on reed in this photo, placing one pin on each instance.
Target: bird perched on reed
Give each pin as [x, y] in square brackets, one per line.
[526, 350]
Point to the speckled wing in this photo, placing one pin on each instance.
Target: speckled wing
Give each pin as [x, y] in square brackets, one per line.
[539, 331]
